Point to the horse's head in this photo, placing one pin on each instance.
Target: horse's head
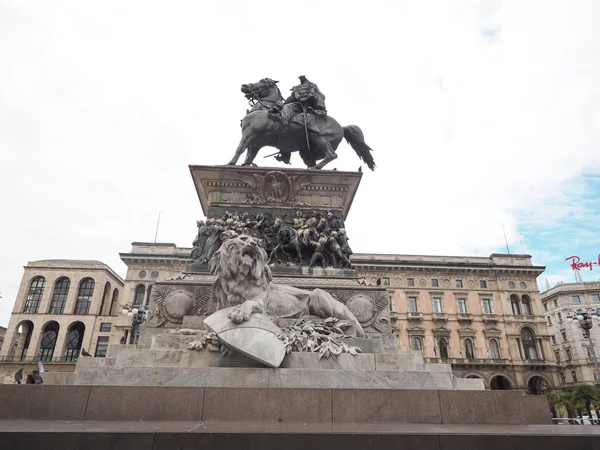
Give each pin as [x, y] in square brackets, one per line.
[263, 88]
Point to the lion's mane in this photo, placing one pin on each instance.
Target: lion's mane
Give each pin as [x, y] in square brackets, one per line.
[240, 271]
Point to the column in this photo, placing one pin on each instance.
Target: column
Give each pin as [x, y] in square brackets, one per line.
[34, 344]
[73, 289]
[45, 301]
[540, 349]
[60, 341]
[521, 349]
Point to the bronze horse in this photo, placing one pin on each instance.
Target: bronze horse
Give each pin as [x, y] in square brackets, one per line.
[261, 127]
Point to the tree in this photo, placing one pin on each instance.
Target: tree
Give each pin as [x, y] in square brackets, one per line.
[583, 395]
[555, 400]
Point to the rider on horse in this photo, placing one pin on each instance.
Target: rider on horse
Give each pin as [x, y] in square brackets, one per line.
[307, 102]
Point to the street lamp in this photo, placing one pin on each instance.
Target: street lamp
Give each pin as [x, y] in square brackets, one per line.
[138, 317]
[585, 321]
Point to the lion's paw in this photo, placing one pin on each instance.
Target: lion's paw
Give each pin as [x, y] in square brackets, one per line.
[238, 315]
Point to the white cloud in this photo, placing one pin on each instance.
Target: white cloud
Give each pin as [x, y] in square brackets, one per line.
[481, 114]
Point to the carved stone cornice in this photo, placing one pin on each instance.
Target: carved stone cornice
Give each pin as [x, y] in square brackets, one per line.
[236, 186]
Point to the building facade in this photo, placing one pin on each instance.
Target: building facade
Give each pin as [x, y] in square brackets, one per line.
[572, 350]
[482, 315]
[62, 307]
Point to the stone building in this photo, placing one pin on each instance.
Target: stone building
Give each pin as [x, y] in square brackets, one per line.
[2, 334]
[62, 306]
[571, 349]
[481, 314]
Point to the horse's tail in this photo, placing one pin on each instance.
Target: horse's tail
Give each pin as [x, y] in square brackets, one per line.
[355, 138]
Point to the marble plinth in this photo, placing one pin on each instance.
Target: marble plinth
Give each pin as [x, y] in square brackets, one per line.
[271, 378]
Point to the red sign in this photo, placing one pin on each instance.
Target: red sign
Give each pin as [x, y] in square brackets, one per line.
[576, 263]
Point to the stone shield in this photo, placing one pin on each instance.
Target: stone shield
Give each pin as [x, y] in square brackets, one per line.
[256, 338]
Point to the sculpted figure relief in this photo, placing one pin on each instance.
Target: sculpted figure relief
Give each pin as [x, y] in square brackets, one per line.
[243, 280]
[298, 124]
[306, 239]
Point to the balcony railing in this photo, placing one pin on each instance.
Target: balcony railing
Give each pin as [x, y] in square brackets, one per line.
[489, 318]
[465, 317]
[443, 317]
[35, 359]
[415, 315]
[463, 361]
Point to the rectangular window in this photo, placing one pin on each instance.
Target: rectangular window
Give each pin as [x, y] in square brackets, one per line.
[557, 354]
[462, 306]
[486, 306]
[564, 335]
[569, 355]
[105, 327]
[437, 304]
[596, 298]
[412, 304]
[549, 320]
[386, 281]
[555, 303]
[434, 283]
[553, 339]
[559, 317]
[574, 375]
[545, 306]
[410, 282]
[459, 284]
[483, 284]
[563, 379]
[101, 347]
[576, 299]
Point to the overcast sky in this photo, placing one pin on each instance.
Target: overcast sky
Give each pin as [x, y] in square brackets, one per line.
[481, 114]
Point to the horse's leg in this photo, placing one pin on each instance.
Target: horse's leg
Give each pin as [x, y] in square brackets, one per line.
[250, 155]
[330, 154]
[298, 251]
[244, 143]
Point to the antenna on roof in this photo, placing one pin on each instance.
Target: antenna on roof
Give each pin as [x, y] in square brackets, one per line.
[521, 241]
[157, 224]
[505, 240]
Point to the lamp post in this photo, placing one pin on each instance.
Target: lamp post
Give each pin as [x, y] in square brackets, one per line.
[138, 317]
[585, 321]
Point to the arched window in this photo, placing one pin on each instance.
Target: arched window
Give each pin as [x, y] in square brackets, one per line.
[469, 353]
[443, 346]
[526, 301]
[50, 333]
[34, 296]
[416, 343]
[59, 296]
[114, 302]
[84, 296]
[74, 341]
[528, 339]
[21, 340]
[494, 349]
[514, 302]
[140, 290]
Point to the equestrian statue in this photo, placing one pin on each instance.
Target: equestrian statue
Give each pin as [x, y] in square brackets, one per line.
[299, 123]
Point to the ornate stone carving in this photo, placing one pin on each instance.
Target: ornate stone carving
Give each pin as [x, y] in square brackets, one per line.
[367, 307]
[275, 186]
[171, 305]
